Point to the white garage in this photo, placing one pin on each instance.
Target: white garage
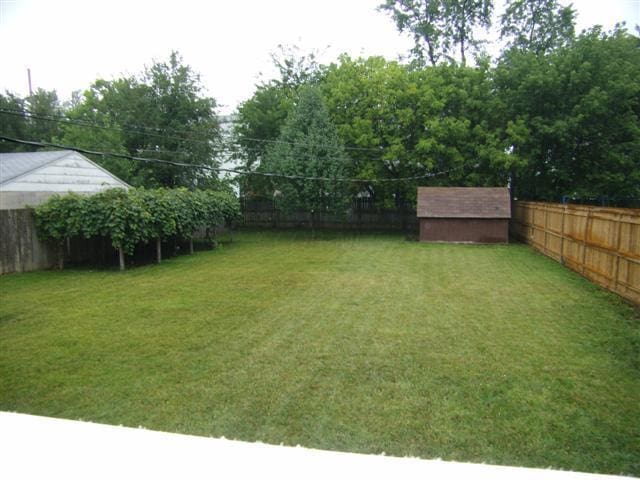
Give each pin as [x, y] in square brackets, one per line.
[28, 179]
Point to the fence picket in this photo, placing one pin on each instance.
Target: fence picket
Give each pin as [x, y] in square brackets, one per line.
[608, 253]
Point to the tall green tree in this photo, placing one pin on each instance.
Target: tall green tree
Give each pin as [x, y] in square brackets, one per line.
[375, 106]
[160, 114]
[309, 147]
[260, 118]
[45, 105]
[400, 122]
[441, 27]
[539, 26]
[572, 117]
[177, 108]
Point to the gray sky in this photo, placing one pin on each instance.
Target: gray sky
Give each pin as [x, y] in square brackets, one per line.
[69, 43]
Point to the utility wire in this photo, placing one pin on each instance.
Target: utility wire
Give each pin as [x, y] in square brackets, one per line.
[301, 144]
[157, 131]
[220, 169]
[81, 123]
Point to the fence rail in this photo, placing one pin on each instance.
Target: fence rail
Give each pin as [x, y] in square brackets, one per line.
[600, 243]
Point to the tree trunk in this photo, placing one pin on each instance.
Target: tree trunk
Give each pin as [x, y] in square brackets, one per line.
[61, 256]
[159, 249]
[313, 230]
[121, 257]
[190, 245]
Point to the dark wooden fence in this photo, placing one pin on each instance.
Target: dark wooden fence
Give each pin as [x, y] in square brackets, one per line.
[601, 243]
[362, 216]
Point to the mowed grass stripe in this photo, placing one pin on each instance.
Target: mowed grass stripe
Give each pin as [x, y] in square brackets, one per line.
[361, 343]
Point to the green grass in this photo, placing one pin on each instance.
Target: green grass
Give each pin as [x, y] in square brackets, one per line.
[359, 343]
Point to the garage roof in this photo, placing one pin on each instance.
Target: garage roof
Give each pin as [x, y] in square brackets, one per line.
[13, 165]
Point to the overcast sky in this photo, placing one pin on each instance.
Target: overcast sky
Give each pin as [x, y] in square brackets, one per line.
[67, 44]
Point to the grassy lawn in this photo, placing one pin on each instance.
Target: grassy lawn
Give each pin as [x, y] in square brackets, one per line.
[367, 344]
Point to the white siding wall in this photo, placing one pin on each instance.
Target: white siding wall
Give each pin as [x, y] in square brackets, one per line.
[69, 174]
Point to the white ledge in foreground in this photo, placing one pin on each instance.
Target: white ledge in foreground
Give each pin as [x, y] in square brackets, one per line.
[42, 447]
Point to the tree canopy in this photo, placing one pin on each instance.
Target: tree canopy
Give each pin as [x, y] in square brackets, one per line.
[161, 113]
[441, 27]
[556, 115]
[309, 146]
[539, 26]
[572, 117]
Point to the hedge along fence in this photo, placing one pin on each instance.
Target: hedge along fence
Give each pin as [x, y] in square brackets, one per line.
[134, 216]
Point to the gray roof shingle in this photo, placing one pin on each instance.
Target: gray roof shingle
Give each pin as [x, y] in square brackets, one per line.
[13, 165]
[463, 202]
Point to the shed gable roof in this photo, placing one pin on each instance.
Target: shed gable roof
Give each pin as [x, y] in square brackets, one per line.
[463, 202]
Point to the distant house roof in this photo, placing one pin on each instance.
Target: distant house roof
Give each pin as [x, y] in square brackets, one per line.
[62, 170]
[463, 202]
[13, 165]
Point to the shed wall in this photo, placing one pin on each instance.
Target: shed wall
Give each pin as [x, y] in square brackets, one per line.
[474, 230]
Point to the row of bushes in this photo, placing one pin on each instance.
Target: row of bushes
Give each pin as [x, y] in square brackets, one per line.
[134, 216]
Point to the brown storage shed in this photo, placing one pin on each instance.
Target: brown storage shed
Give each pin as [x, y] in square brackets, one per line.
[464, 214]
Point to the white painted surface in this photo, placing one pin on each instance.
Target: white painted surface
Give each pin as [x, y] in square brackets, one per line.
[72, 173]
[41, 447]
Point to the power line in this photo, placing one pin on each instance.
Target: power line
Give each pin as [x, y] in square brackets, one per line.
[156, 132]
[221, 169]
[301, 144]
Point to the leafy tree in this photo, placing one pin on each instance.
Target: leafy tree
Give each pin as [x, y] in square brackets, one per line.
[373, 104]
[177, 109]
[401, 122]
[44, 104]
[572, 117]
[261, 118]
[441, 26]
[16, 122]
[539, 26]
[461, 18]
[12, 123]
[161, 114]
[296, 68]
[309, 147]
[93, 129]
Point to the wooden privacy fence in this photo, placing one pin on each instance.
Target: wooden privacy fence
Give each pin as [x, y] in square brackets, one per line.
[601, 243]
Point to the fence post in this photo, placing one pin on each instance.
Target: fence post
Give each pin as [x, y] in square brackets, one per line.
[616, 266]
[584, 240]
[545, 209]
[564, 214]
